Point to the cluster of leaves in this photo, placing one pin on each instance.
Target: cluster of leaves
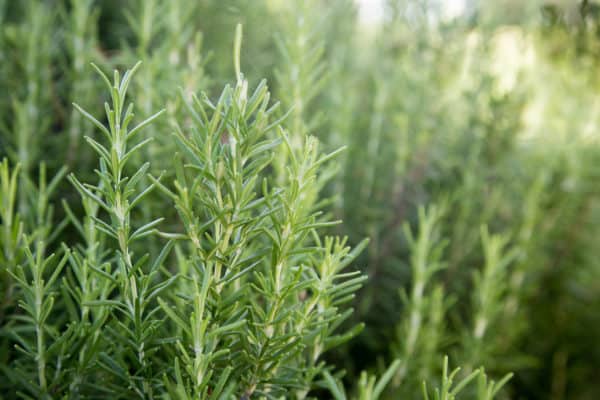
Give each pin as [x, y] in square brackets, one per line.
[197, 264]
[247, 305]
[446, 132]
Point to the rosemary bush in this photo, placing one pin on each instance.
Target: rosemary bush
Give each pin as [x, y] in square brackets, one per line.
[401, 220]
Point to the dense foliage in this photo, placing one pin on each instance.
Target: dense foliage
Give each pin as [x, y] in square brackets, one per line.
[408, 196]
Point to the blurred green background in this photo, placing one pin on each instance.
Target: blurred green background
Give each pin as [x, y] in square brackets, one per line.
[483, 114]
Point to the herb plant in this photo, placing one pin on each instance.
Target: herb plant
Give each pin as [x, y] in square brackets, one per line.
[422, 196]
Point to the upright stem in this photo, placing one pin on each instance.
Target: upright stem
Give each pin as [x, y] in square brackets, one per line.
[39, 328]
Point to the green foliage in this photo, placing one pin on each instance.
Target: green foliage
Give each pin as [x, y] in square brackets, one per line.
[425, 190]
[263, 290]
[449, 390]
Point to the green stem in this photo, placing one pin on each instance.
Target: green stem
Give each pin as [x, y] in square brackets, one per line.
[39, 329]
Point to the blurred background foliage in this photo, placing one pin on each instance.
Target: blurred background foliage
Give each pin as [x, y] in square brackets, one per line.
[472, 158]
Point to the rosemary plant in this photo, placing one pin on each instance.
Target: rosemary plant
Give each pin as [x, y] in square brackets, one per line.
[188, 255]
[82, 39]
[262, 287]
[489, 286]
[422, 308]
[266, 287]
